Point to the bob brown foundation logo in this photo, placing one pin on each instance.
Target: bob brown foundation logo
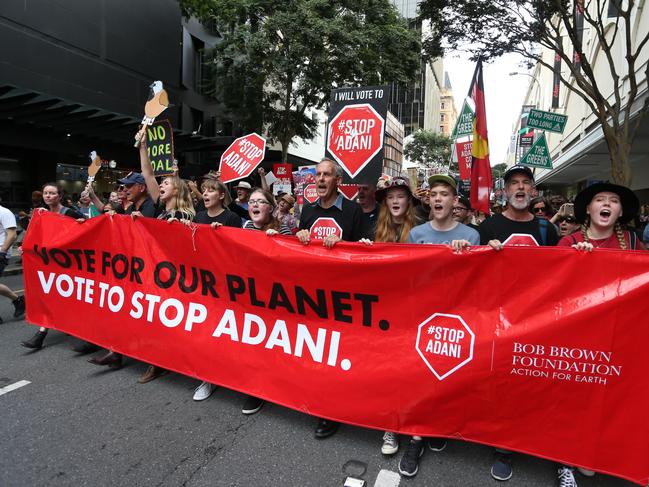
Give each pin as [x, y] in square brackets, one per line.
[445, 344]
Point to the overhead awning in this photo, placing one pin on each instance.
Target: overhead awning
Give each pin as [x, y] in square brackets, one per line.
[34, 109]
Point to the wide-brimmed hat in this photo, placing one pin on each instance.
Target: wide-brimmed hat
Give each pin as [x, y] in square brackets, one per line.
[630, 203]
[288, 198]
[244, 185]
[388, 182]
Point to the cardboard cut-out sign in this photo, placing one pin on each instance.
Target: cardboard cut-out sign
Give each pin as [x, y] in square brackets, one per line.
[355, 132]
[160, 146]
[94, 167]
[157, 102]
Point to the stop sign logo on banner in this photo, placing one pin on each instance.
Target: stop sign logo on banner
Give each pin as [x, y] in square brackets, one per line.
[324, 227]
[521, 240]
[310, 193]
[464, 159]
[445, 344]
[355, 137]
[242, 157]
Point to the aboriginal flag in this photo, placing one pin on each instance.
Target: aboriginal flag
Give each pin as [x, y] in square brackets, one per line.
[481, 182]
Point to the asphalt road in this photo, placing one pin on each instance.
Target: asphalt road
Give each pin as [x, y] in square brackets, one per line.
[77, 424]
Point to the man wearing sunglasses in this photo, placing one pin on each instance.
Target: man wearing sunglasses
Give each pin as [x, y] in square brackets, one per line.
[462, 212]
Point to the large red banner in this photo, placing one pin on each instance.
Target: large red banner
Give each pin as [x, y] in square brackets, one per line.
[538, 350]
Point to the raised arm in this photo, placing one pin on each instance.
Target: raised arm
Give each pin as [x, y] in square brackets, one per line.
[147, 170]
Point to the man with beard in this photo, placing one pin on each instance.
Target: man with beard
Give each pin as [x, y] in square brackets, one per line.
[515, 226]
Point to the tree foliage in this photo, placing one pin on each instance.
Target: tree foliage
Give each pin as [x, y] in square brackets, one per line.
[493, 27]
[430, 149]
[278, 59]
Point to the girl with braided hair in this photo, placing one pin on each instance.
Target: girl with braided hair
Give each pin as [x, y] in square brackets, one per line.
[602, 210]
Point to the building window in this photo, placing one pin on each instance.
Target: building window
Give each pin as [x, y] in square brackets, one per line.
[197, 48]
[442, 117]
[443, 106]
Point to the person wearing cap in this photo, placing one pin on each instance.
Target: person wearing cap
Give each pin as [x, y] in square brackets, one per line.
[240, 205]
[602, 209]
[524, 229]
[137, 195]
[516, 218]
[330, 205]
[285, 203]
[443, 228]
[462, 212]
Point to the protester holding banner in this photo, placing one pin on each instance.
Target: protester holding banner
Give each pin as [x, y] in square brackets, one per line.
[443, 228]
[331, 208]
[602, 209]
[260, 208]
[215, 200]
[516, 222]
[331, 218]
[396, 210]
[52, 196]
[515, 226]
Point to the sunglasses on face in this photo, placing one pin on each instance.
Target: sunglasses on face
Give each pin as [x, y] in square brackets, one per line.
[539, 209]
[567, 219]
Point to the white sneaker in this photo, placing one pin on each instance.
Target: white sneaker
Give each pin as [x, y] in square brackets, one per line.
[586, 472]
[566, 477]
[203, 391]
[390, 443]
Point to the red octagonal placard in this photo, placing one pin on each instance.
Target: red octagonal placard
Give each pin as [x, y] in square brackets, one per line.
[242, 157]
[445, 344]
[355, 137]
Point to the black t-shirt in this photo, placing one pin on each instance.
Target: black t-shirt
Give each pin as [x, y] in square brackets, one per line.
[349, 218]
[226, 218]
[369, 222]
[148, 208]
[71, 212]
[239, 210]
[499, 227]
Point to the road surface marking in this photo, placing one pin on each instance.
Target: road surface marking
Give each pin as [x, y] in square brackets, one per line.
[387, 478]
[14, 386]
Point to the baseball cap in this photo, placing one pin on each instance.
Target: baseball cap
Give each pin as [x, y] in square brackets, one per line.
[132, 178]
[442, 178]
[518, 168]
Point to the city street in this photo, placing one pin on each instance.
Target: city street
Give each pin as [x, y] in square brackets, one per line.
[77, 424]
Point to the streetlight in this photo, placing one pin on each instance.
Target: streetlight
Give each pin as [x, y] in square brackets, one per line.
[516, 73]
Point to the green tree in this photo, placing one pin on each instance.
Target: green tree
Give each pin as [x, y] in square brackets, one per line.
[278, 59]
[430, 149]
[498, 170]
[492, 28]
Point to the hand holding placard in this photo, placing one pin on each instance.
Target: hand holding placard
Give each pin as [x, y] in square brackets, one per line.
[157, 103]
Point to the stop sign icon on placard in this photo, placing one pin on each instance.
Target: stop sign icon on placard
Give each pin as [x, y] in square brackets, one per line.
[310, 193]
[242, 157]
[445, 343]
[325, 226]
[355, 137]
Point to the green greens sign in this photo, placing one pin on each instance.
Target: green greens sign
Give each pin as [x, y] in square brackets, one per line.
[464, 124]
[538, 155]
[552, 122]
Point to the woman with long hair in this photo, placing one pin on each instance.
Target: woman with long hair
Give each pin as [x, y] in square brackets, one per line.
[53, 196]
[397, 210]
[261, 206]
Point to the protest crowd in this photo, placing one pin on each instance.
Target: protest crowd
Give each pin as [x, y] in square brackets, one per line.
[603, 215]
